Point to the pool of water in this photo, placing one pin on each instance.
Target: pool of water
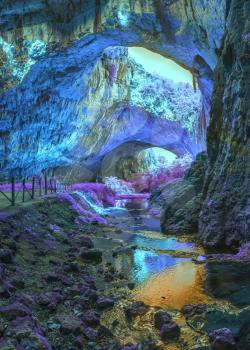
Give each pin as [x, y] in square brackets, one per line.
[147, 258]
[148, 263]
[161, 243]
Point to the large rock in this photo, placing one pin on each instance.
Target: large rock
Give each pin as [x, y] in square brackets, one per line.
[91, 254]
[222, 339]
[181, 200]
[225, 216]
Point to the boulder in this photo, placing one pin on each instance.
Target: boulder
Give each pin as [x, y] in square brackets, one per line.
[93, 255]
[222, 339]
[169, 331]
[103, 303]
[69, 324]
[160, 318]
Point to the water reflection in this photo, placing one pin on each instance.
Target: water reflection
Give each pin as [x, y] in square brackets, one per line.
[176, 286]
[162, 244]
[146, 263]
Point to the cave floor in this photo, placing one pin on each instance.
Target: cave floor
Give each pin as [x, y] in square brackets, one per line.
[70, 286]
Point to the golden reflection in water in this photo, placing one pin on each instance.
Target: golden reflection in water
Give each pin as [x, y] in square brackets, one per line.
[174, 288]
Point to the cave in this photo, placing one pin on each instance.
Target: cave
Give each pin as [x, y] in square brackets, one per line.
[124, 174]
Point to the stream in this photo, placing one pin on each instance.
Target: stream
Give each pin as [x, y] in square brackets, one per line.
[163, 272]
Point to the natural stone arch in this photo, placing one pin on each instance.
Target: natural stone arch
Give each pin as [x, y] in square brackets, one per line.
[112, 163]
[43, 117]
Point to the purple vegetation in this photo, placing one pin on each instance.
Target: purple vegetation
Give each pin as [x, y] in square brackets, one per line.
[97, 191]
[148, 182]
[84, 215]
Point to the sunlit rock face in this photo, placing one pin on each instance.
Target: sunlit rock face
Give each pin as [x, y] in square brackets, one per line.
[133, 158]
[48, 53]
[82, 112]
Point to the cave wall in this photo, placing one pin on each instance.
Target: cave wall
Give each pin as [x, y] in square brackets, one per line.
[221, 201]
[225, 215]
[55, 46]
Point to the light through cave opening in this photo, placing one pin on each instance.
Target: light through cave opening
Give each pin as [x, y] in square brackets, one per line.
[157, 107]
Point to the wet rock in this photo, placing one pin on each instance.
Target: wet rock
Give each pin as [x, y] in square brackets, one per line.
[53, 277]
[86, 242]
[195, 309]
[134, 309]
[90, 333]
[104, 333]
[131, 285]
[181, 199]
[120, 275]
[91, 318]
[129, 346]
[93, 255]
[14, 310]
[49, 299]
[244, 337]
[69, 324]
[79, 342]
[169, 331]
[160, 318]
[108, 277]
[104, 303]
[73, 267]
[18, 282]
[222, 339]
[148, 344]
[6, 256]
[199, 260]
[90, 294]
[8, 344]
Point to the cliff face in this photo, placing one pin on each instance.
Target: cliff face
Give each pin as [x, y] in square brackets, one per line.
[81, 110]
[225, 215]
[222, 213]
[49, 50]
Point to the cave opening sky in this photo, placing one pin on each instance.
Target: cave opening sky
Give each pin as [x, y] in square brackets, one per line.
[157, 64]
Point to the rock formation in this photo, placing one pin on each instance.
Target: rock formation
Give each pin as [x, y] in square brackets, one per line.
[52, 56]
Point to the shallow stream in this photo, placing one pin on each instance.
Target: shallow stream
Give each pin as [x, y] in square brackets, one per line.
[162, 271]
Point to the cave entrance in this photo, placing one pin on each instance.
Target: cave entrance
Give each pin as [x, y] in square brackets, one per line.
[154, 112]
[133, 158]
[160, 66]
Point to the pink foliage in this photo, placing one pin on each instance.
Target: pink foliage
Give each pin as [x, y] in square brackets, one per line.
[148, 182]
[84, 214]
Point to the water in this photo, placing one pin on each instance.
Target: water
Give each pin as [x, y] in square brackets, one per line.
[160, 267]
[165, 276]
[164, 244]
[148, 263]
